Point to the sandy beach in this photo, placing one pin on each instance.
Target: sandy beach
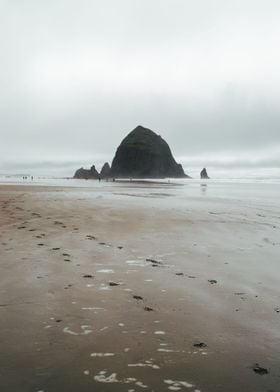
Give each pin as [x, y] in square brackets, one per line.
[127, 287]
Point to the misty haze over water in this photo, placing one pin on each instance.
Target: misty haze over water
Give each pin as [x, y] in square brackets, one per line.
[76, 77]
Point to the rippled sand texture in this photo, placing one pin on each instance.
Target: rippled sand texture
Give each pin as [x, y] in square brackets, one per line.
[131, 288]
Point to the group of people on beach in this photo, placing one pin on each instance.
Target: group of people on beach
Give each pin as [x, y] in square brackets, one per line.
[26, 178]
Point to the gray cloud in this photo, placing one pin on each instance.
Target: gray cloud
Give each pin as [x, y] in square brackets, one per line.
[76, 76]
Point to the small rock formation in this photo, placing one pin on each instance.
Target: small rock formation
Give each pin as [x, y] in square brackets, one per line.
[85, 174]
[144, 154]
[203, 174]
[105, 171]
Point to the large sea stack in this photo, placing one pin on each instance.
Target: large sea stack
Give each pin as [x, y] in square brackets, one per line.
[85, 174]
[144, 154]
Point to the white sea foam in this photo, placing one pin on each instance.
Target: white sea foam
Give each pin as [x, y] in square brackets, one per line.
[112, 378]
[145, 364]
[68, 330]
[177, 385]
[101, 377]
[138, 263]
[93, 308]
[141, 385]
[104, 287]
[85, 331]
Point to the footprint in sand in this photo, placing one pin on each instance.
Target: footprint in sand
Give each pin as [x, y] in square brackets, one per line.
[148, 309]
[138, 297]
[113, 284]
[90, 237]
[104, 244]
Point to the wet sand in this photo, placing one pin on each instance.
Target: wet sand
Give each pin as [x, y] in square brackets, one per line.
[137, 287]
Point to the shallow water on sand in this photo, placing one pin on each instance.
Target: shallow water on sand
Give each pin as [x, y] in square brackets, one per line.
[139, 286]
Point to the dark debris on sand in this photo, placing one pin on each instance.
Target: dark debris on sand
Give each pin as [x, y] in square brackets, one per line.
[153, 261]
[148, 309]
[260, 370]
[200, 345]
[212, 281]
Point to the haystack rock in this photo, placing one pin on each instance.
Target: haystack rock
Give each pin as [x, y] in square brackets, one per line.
[105, 171]
[204, 174]
[144, 154]
[85, 174]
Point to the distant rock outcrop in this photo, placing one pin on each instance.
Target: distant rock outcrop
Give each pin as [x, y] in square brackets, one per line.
[204, 174]
[144, 154]
[105, 171]
[85, 174]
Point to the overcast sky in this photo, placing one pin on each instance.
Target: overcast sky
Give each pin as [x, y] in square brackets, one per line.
[77, 75]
